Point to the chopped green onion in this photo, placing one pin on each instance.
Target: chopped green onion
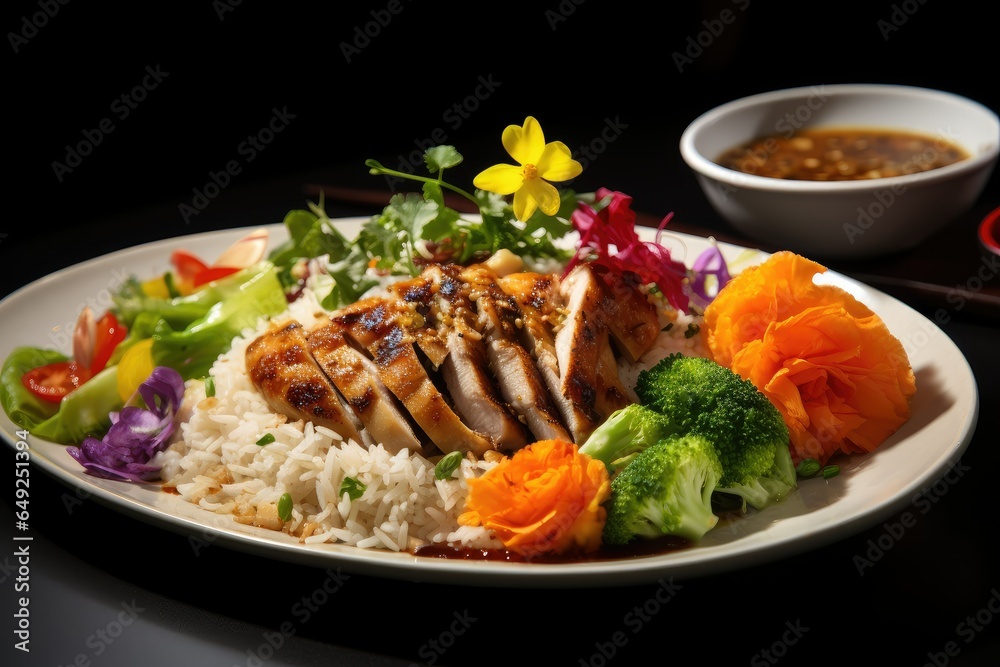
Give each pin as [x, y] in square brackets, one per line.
[352, 487]
[209, 386]
[285, 507]
[266, 439]
[831, 471]
[808, 468]
[670, 325]
[448, 465]
[692, 330]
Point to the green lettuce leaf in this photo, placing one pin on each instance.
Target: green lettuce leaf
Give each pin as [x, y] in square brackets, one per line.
[83, 412]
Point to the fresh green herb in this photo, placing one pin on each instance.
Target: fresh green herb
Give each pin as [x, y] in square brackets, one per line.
[808, 468]
[670, 325]
[831, 471]
[209, 386]
[414, 229]
[448, 464]
[285, 507]
[352, 487]
[692, 330]
[266, 439]
[428, 229]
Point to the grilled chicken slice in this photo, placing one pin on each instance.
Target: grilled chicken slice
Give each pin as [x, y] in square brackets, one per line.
[356, 376]
[442, 300]
[537, 296]
[632, 319]
[588, 372]
[467, 375]
[376, 325]
[500, 319]
[280, 366]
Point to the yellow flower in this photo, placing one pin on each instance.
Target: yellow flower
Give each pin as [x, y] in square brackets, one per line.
[539, 162]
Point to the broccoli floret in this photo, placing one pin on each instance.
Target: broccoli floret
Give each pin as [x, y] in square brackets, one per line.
[751, 439]
[625, 433]
[665, 490]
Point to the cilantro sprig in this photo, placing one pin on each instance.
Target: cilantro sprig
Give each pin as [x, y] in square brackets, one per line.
[416, 229]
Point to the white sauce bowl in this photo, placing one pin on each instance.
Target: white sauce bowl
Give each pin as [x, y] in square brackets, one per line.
[854, 219]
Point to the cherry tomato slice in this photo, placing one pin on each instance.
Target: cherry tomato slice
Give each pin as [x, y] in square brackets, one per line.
[188, 265]
[213, 273]
[54, 381]
[109, 333]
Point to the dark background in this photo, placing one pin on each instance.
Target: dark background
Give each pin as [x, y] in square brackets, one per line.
[228, 69]
[579, 68]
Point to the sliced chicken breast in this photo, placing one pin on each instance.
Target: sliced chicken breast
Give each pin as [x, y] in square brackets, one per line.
[632, 320]
[374, 325]
[280, 366]
[588, 372]
[537, 295]
[442, 298]
[521, 383]
[357, 378]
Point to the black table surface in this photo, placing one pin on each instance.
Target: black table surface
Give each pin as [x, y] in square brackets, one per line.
[109, 589]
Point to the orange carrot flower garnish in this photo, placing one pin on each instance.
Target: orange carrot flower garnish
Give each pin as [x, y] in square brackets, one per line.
[545, 499]
[841, 380]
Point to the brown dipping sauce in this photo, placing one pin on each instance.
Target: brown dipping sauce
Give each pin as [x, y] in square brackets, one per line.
[841, 154]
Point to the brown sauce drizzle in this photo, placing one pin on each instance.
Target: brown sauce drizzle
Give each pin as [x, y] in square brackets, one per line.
[637, 549]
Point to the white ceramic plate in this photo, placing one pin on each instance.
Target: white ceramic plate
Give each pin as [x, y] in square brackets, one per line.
[869, 488]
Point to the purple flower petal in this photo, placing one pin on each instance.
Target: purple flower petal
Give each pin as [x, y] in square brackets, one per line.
[136, 434]
[163, 390]
[709, 263]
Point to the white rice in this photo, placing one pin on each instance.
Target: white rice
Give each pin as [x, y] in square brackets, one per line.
[216, 464]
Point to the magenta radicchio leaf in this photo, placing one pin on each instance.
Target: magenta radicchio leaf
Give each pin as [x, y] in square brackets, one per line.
[613, 227]
[136, 433]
